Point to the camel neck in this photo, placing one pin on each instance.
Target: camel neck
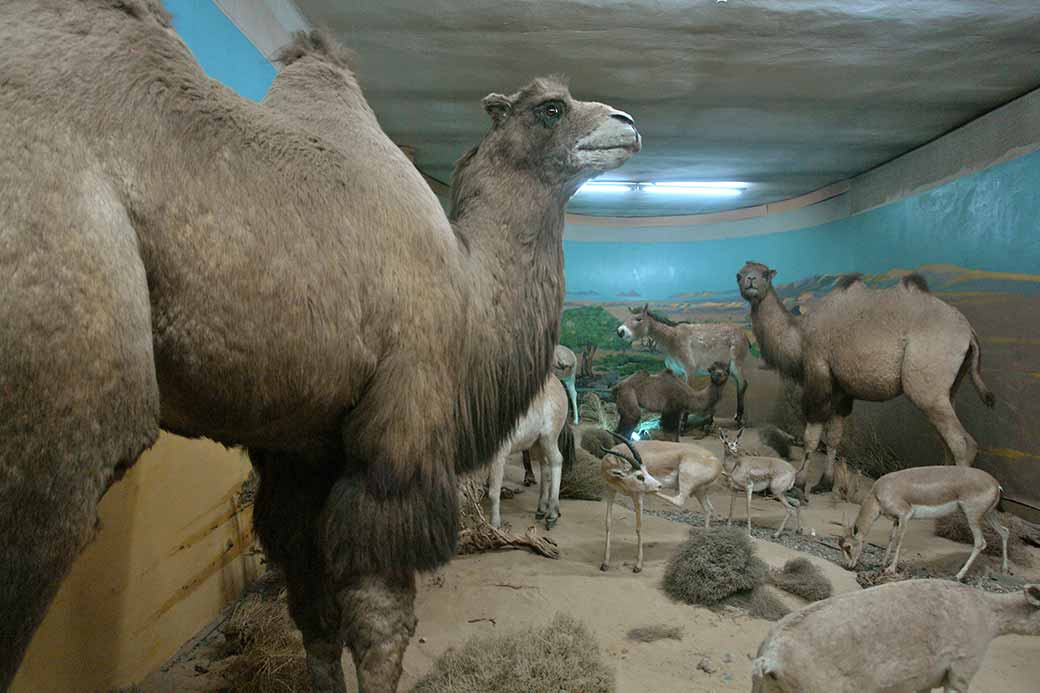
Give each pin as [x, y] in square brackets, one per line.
[778, 334]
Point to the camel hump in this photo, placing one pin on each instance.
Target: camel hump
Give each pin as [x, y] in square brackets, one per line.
[847, 280]
[317, 43]
[915, 281]
[139, 9]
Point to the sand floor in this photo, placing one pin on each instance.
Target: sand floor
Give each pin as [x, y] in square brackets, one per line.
[506, 590]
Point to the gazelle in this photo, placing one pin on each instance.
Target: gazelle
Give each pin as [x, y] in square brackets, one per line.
[751, 473]
[913, 635]
[627, 474]
[927, 492]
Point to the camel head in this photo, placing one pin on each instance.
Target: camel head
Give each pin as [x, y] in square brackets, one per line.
[568, 140]
[636, 326]
[719, 373]
[754, 280]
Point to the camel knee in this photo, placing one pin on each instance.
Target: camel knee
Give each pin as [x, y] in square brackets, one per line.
[377, 622]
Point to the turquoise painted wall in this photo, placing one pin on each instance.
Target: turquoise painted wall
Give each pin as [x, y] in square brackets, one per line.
[986, 221]
[223, 51]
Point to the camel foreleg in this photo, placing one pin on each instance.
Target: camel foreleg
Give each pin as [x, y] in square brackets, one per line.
[377, 622]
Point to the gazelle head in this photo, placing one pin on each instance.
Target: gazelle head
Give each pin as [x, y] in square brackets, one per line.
[850, 544]
[730, 446]
[631, 478]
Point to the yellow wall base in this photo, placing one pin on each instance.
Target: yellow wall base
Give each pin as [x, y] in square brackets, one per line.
[174, 548]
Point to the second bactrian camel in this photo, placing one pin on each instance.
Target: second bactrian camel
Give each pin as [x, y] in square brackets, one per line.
[868, 344]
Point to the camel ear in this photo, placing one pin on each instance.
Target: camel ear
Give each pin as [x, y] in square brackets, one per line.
[498, 106]
[1033, 595]
[770, 273]
[646, 308]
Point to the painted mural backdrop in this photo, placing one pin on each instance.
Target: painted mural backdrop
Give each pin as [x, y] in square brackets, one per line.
[976, 240]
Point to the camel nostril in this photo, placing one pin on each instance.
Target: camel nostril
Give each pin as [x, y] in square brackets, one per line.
[623, 117]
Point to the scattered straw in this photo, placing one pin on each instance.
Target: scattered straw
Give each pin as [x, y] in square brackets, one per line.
[655, 632]
[560, 656]
[268, 649]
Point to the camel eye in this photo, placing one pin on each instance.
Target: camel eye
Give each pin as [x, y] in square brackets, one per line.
[550, 112]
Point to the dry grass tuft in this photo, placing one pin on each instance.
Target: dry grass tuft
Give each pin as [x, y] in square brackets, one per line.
[955, 528]
[268, 649]
[803, 578]
[765, 605]
[655, 632]
[562, 655]
[585, 481]
[712, 565]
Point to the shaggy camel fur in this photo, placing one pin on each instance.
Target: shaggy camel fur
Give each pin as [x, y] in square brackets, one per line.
[669, 394]
[927, 492]
[278, 277]
[901, 637]
[869, 344]
[545, 430]
[691, 347]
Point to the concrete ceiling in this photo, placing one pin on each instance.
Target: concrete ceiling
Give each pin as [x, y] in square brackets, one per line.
[786, 95]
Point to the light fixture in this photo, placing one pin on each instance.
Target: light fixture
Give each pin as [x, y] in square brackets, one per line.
[701, 188]
[605, 187]
[692, 189]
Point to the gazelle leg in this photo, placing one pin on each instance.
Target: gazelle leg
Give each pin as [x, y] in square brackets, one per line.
[702, 496]
[498, 470]
[904, 524]
[732, 501]
[978, 545]
[991, 518]
[891, 541]
[639, 534]
[750, 488]
[609, 502]
[790, 508]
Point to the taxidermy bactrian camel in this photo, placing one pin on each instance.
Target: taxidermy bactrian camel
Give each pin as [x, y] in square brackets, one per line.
[869, 344]
[175, 256]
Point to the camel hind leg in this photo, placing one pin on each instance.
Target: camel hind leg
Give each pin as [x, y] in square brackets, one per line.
[79, 400]
[930, 383]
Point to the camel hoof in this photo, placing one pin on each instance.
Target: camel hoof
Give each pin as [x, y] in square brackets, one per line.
[637, 569]
[550, 522]
[603, 567]
[539, 514]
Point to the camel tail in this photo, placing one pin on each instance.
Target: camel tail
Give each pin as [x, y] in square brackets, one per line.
[566, 444]
[975, 354]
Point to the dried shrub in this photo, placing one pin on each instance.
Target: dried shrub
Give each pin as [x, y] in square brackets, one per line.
[712, 565]
[562, 655]
[803, 578]
[593, 438]
[585, 480]
[655, 632]
[267, 647]
[764, 604]
[955, 528]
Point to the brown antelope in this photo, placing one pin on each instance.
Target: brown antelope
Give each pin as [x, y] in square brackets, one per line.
[752, 473]
[913, 635]
[626, 473]
[927, 492]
